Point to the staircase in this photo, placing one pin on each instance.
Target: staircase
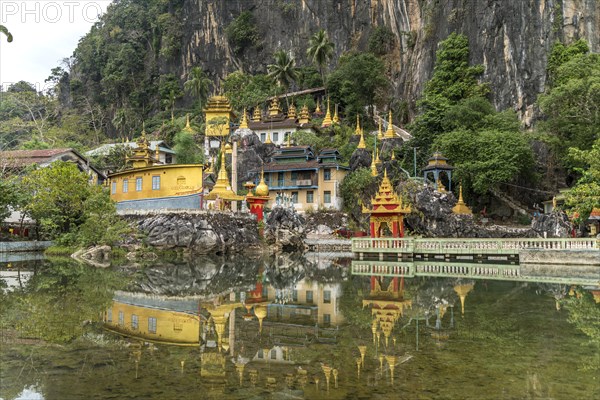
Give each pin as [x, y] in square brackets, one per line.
[509, 201]
[401, 133]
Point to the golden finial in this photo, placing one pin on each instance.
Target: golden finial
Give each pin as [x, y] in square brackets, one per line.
[389, 133]
[373, 167]
[357, 131]
[188, 127]
[327, 120]
[144, 129]
[244, 123]
[304, 115]
[336, 118]
[361, 143]
[380, 133]
[257, 115]
[318, 109]
[289, 140]
[393, 155]
[292, 111]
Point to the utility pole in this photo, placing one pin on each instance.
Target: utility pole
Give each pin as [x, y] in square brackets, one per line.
[415, 160]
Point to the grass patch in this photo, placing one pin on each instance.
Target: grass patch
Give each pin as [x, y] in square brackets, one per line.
[64, 251]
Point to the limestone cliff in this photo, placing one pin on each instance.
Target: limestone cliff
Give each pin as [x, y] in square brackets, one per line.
[512, 38]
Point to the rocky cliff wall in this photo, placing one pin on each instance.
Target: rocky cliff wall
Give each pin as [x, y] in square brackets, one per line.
[512, 38]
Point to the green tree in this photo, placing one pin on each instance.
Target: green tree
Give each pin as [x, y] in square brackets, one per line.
[561, 54]
[307, 138]
[320, 49]
[357, 82]
[186, 149]
[283, 71]
[197, 85]
[354, 188]
[572, 103]
[381, 40]
[483, 159]
[585, 195]
[7, 197]
[242, 32]
[247, 91]
[58, 196]
[453, 80]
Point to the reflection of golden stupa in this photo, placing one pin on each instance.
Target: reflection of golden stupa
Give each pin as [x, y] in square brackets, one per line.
[387, 306]
[462, 291]
[260, 310]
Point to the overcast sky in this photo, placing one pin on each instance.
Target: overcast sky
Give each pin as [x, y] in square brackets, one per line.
[44, 33]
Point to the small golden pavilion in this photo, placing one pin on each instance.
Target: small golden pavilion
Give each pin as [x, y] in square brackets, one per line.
[387, 209]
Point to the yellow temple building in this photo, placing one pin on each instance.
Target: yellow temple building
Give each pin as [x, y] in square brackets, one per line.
[148, 184]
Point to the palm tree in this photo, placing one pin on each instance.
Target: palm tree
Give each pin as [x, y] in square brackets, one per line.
[197, 85]
[9, 36]
[320, 49]
[284, 70]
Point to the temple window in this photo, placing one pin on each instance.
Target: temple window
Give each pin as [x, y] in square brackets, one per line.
[309, 296]
[125, 185]
[121, 318]
[327, 197]
[260, 353]
[113, 188]
[273, 354]
[295, 296]
[326, 296]
[156, 182]
[294, 175]
[327, 174]
[134, 321]
[151, 324]
[280, 178]
[138, 184]
[181, 181]
[327, 319]
[275, 137]
[295, 197]
[263, 137]
[310, 196]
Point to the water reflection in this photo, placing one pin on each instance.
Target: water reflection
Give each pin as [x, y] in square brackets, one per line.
[288, 326]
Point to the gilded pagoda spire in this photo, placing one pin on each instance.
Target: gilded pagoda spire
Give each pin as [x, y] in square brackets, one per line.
[361, 143]
[222, 188]
[357, 131]
[257, 115]
[304, 115]
[380, 132]
[461, 207]
[292, 111]
[336, 118]
[244, 123]
[318, 108]
[274, 108]
[373, 166]
[389, 133]
[377, 159]
[327, 121]
[188, 127]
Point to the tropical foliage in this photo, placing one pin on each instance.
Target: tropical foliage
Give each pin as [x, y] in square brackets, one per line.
[585, 195]
[320, 49]
[283, 71]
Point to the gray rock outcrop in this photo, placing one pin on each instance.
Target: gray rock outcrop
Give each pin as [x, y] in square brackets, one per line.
[285, 229]
[199, 232]
[553, 225]
[432, 217]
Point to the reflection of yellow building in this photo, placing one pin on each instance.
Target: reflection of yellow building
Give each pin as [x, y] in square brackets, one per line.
[309, 301]
[150, 185]
[146, 321]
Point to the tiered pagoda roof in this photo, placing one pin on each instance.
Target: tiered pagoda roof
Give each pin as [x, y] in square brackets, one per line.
[386, 201]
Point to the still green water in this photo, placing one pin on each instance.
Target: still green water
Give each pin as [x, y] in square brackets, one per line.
[514, 340]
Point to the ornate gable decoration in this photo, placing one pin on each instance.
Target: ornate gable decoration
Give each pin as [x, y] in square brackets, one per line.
[386, 201]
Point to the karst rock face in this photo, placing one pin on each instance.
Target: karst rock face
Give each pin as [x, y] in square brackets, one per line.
[511, 38]
[285, 229]
[553, 225]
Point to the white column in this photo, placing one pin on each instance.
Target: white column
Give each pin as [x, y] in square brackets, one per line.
[234, 184]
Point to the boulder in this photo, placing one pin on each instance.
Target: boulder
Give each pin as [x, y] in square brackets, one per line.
[553, 225]
[285, 229]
